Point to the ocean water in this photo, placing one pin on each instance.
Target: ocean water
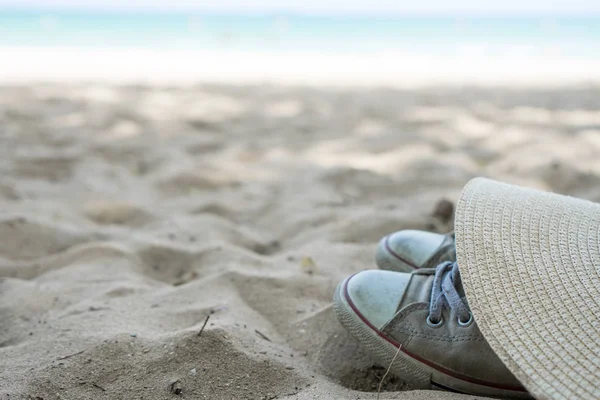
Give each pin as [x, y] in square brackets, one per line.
[552, 37]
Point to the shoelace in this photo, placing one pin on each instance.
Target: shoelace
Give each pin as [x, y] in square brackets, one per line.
[444, 294]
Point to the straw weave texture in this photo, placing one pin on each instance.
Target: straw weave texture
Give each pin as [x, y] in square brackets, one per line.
[530, 263]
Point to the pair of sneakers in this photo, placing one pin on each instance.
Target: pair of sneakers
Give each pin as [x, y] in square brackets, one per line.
[413, 311]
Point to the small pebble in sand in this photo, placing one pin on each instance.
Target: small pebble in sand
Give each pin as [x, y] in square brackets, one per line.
[308, 265]
[175, 386]
[444, 210]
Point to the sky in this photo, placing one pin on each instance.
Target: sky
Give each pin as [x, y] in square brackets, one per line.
[512, 7]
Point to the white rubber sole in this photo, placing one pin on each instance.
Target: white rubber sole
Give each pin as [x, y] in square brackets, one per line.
[415, 373]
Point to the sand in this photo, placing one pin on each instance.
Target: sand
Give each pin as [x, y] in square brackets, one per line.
[130, 214]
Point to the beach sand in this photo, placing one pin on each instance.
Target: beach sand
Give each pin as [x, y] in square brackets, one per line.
[130, 214]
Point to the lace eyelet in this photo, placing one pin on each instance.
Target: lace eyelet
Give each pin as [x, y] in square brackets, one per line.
[466, 323]
[436, 324]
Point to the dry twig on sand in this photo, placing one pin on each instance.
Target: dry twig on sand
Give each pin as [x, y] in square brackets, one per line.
[204, 325]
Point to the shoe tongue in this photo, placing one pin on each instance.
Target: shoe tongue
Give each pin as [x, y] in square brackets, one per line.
[418, 290]
[420, 285]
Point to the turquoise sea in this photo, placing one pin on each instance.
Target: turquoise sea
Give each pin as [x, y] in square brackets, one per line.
[575, 37]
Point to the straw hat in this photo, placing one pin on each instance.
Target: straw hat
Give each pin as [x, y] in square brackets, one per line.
[530, 266]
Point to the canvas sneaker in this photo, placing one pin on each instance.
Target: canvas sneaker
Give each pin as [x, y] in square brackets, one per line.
[410, 250]
[425, 315]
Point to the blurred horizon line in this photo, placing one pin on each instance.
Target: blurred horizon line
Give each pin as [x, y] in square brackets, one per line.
[350, 14]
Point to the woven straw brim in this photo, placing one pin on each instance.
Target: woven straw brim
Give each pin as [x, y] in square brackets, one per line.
[529, 262]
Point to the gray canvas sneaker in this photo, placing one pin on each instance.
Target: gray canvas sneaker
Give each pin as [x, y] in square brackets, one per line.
[425, 315]
[409, 250]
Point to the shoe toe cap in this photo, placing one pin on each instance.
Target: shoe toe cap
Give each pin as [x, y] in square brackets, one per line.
[411, 247]
[375, 294]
